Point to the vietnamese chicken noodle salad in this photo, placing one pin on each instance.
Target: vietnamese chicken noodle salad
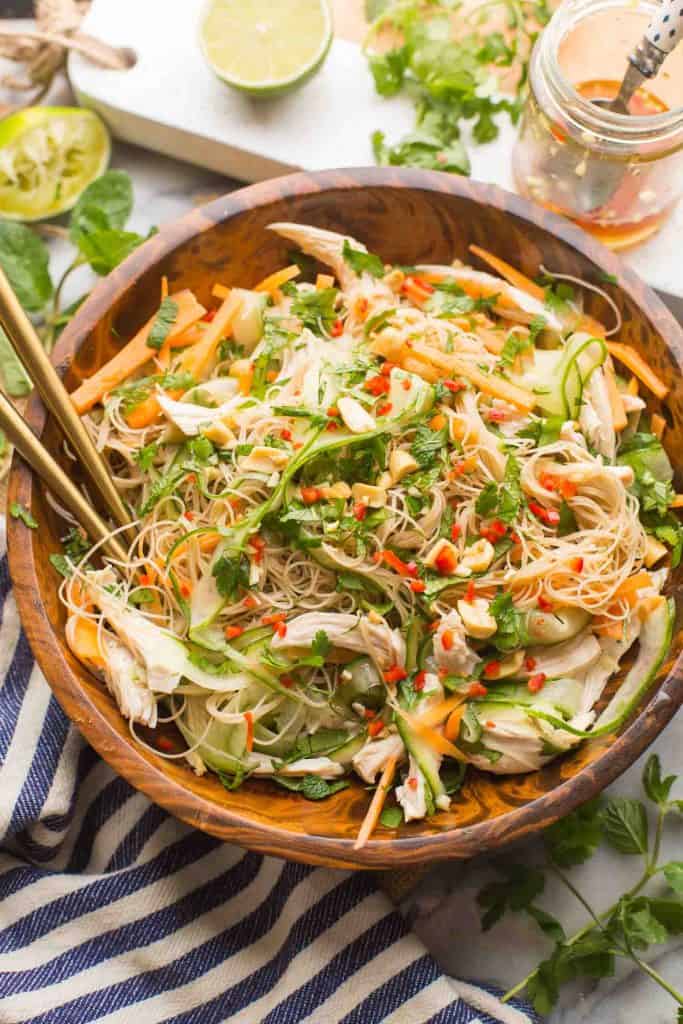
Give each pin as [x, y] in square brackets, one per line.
[390, 522]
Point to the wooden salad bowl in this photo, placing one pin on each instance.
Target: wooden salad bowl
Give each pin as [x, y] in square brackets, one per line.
[407, 216]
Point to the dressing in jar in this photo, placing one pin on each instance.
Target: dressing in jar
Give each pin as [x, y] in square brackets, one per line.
[617, 175]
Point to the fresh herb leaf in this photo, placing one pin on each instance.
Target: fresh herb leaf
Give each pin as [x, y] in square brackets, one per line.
[24, 258]
[165, 319]
[521, 887]
[231, 573]
[321, 644]
[673, 872]
[427, 444]
[511, 633]
[574, 839]
[312, 787]
[14, 377]
[107, 202]
[502, 500]
[391, 817]
[656, 788]
[315, 308]
[421, 150]
[567, 523]
[362, 262]
[624, 822]
[18, 511]
[145, 457]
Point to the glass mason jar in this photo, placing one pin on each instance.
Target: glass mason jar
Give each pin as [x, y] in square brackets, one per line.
[616, 175]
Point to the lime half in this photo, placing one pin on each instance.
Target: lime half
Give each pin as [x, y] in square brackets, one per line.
[266, 47]
[48, 155]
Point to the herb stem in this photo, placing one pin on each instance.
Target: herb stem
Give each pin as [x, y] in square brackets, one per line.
[656, 976]
[57, 299]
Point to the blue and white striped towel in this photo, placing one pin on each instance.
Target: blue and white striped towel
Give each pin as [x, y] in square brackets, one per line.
[109, 906]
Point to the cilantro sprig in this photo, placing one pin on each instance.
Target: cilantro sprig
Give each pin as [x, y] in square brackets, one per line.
[638, 919]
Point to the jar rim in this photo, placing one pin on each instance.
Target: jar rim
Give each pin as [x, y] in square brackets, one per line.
[603, 122]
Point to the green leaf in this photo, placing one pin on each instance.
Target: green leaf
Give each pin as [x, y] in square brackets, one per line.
[164, 321]
[105, 249]
[146, 456]
[24, 258]
[522, 885]
[63, 567]
[567, 523]
[502, 500]
[321, 644]
[634, 921]
[673, 872]
[511, 632]
[362, 262]
[391, 817]
[575, 838]
[420, 150]
[106, 203]
[231, 574]
[312, 787]
[548, 924]
[656, 788]
[18, 511]
[14, 377]
[316, 308]
[427, 444]
[589, 957]
[669, 913]
[388, 70]
[624, 823]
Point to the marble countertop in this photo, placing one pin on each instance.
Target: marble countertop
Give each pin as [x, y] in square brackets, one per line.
[443, 907]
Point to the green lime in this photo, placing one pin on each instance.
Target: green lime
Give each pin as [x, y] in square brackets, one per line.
[266, 47]
[48, 155]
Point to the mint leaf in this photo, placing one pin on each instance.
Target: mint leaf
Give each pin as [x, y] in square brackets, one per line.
[165, 319]
[522, 885]
[427, 444]
[18, 511]
[362, 261]
[673, 872]
[634, 921]
[105, 249]
[106, 203]
[575, 838]
[548, 924]
[656, 788]
[14, 377]
[624, 823]
[24, 258]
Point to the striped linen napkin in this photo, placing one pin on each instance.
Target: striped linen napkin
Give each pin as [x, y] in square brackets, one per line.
[110, 907]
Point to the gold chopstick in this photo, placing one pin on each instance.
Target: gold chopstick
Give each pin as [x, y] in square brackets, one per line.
[32, 355]
[52, 474]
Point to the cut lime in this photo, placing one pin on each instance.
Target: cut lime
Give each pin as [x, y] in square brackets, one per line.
[48, 155]
[266, 47]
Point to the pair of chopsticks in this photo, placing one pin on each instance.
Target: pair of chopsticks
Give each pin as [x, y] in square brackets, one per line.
[32, 355]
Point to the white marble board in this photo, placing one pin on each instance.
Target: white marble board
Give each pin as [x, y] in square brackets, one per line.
[172, 103]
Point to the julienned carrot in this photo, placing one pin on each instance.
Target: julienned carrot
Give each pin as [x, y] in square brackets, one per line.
[619, 418]
[637, 365]
[440, 712]
[134, 355]
[628, 588]
[84, 640]
[658, 425]
[146, 412]
[508, 272]
[207, 542]
[274, 281]
[432, 738]
[376, 804]
[486, 382]
[196, 359]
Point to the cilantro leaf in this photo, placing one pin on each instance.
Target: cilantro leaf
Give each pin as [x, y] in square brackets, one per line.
[18, 511]
[231, 573]
[315, 308]
[362, 261]
[421, 150]
[511, 632]
[165, 318]
[505, 499]
[146, 456]
[388, 70]
[321, 644]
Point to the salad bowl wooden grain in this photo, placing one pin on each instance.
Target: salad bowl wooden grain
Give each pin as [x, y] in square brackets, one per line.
[407, 217]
